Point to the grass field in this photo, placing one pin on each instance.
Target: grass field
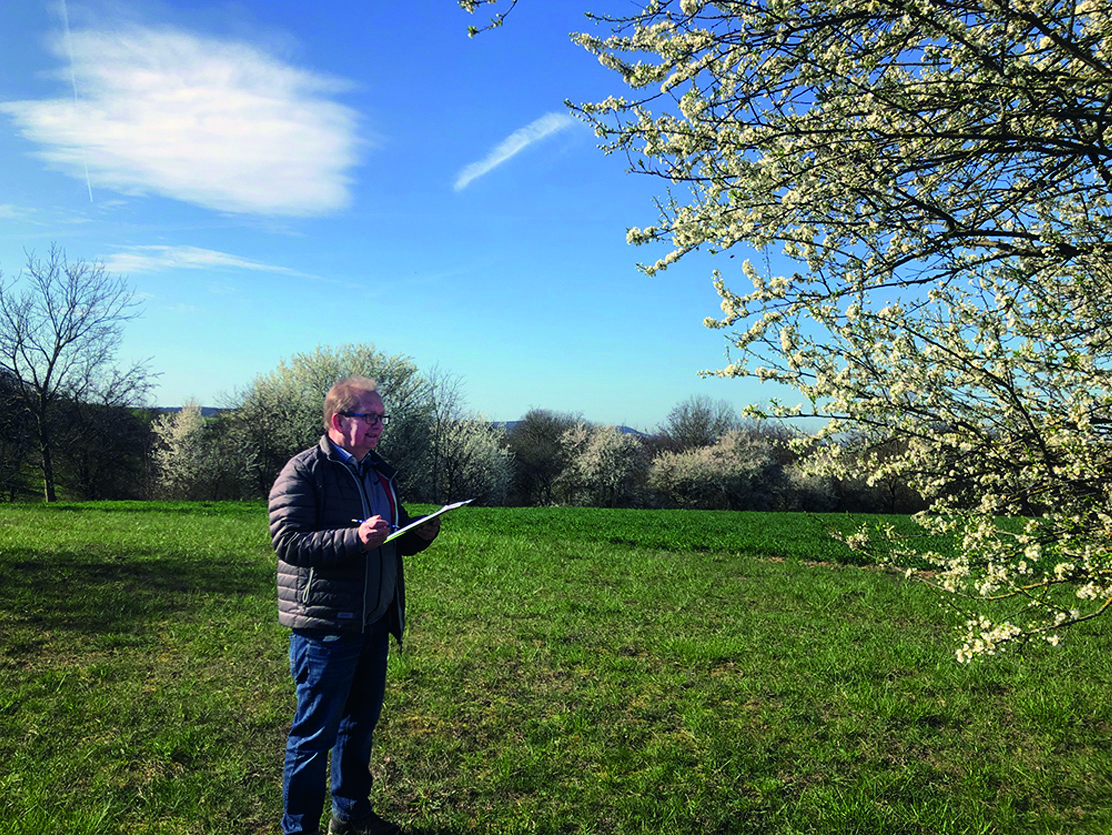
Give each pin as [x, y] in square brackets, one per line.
[565, 671]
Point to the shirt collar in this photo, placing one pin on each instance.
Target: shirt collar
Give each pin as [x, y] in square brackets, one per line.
[344, 455]
[361, 467]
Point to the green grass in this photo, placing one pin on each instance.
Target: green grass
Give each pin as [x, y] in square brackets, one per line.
[565, 671]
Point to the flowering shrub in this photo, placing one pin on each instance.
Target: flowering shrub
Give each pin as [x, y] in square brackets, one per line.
[188, 465]
[738, 472]
[937, 176]
[473, 462]
[604, 466]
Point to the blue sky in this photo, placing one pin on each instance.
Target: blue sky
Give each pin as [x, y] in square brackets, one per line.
[273, 175]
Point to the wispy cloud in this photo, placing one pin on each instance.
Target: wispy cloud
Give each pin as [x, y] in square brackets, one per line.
[216, 123]
[149, 259]
[516, 142]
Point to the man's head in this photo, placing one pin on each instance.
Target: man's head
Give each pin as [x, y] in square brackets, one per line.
[350, 410]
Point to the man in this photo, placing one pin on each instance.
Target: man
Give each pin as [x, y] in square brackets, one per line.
[342, 593]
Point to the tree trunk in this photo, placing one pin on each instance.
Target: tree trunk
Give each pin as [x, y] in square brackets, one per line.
[47, 461]
[48, 476]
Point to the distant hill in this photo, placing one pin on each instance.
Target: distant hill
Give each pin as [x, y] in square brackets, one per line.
[625, 430]
[206, 411]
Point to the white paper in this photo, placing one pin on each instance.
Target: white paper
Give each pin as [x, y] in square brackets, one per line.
[417, 523]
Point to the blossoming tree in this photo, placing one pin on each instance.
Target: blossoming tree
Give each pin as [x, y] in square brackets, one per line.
[603, 465]
[938, 171]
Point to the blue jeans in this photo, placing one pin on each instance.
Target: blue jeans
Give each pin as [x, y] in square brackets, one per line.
[341, 680]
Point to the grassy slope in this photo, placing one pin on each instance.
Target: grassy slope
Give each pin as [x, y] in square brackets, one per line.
[565, 671]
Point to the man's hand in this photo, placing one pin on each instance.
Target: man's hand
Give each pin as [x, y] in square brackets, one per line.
[429, 530]
[373, 532]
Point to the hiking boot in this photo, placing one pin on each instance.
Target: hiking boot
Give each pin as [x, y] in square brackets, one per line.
[372, 824]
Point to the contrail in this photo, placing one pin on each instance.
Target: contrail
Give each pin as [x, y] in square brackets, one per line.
[73, 80]
[517, 141]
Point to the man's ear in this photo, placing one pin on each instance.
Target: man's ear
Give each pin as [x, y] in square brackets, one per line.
[334, 422]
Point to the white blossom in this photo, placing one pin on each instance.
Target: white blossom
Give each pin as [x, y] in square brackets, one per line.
[950, 293]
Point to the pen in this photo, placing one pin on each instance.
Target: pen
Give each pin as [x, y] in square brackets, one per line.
[361, 521]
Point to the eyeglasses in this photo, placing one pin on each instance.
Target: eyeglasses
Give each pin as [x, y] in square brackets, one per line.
[370, 417]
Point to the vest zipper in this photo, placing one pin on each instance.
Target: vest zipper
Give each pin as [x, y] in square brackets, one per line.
[366, 514]
[308, 586]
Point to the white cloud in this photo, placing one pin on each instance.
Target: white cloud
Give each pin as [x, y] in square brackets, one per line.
[149, 259]
[517, 141]
[216, 123]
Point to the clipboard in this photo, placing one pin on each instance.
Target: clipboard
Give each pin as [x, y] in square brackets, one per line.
[416, 524]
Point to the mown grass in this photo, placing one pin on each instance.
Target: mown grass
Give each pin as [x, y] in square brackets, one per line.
[565, 671]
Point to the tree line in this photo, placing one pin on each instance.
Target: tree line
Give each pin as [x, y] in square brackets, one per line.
[704, 455]
[70, 427]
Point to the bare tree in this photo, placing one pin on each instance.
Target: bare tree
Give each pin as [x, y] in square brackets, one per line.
[538, 454]
[446, 412]
[15, 439]
[60, 327]
[698, 421]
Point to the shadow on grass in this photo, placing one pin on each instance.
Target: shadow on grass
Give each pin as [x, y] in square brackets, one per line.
[214, 508]
[108, 596]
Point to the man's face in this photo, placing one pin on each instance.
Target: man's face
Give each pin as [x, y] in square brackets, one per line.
[358, 435]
